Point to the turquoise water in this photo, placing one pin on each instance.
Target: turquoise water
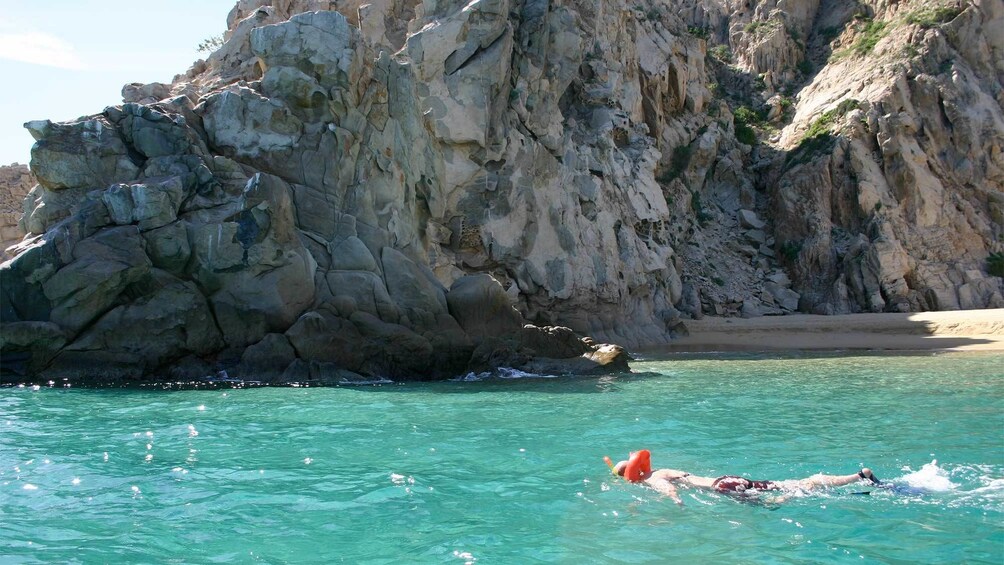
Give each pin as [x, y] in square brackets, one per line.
[511, 471]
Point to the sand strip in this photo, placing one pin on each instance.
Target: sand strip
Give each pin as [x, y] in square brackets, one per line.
[967, 330]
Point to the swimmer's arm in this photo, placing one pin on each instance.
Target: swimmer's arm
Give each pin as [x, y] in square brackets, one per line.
[666, 488]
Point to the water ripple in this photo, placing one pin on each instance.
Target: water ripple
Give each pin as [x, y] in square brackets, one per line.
[510, 471]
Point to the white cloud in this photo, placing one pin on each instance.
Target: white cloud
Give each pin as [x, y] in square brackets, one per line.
[39, 48]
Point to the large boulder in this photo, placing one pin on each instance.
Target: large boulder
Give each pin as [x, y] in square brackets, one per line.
[323, 336]
[86, 153]
[420, 297]
[395, 351]
[552, 341]
[104, 266]
[168, 247]
[231, 120]
[22, 297]
[171, 320]
[482, 308]
[145, 93]
[27, 347]
[253, 258]
[603, 360]
[150, 204]
[266, 360]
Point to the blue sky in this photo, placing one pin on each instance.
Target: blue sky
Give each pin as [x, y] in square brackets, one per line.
[61, 59]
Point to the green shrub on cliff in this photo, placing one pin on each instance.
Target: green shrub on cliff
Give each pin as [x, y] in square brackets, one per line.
[995, 264]
[695, 204]
[699, 32]
[810, 147]
[721, 53]
[787, 104]
[747, 115]
[818, 138]
[761, 27]
[745, 134]
[790, 250]
[678, 163]
[830, 33]
[822, 124]
[210, 44]
[872, 32]
[869, 35]
[744, 118]
[930, 17]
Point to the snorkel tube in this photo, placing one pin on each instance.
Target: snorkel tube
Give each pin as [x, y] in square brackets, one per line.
[610, 463]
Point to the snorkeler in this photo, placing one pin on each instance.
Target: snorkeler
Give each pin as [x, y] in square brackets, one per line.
[638, 469]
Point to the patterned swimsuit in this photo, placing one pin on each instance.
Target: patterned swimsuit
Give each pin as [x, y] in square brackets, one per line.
[732, 483]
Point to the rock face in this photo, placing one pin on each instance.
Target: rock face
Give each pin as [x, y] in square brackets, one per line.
[895, 203]
[15, 182]
[418, 189]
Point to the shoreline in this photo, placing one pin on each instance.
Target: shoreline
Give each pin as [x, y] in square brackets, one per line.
[962, 330]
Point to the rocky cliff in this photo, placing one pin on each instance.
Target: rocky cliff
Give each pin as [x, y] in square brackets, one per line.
[395, 189]
[16, 181]
[888, 196]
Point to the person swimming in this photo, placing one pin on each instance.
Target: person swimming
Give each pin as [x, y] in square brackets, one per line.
[665, 481]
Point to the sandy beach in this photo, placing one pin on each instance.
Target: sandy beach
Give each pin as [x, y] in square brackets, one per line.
[967, 330]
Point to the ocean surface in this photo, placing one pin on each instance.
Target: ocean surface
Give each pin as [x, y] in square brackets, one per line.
[510, 470]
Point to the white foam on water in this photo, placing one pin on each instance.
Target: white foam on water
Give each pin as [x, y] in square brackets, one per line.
[930, 478]
[507, 373]
[345, 381]
[993, 490]
[990, 490]
[500, 373]
[399, 479]
[471, 377]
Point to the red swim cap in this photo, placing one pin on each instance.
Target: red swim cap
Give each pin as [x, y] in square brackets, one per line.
[639, 466]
